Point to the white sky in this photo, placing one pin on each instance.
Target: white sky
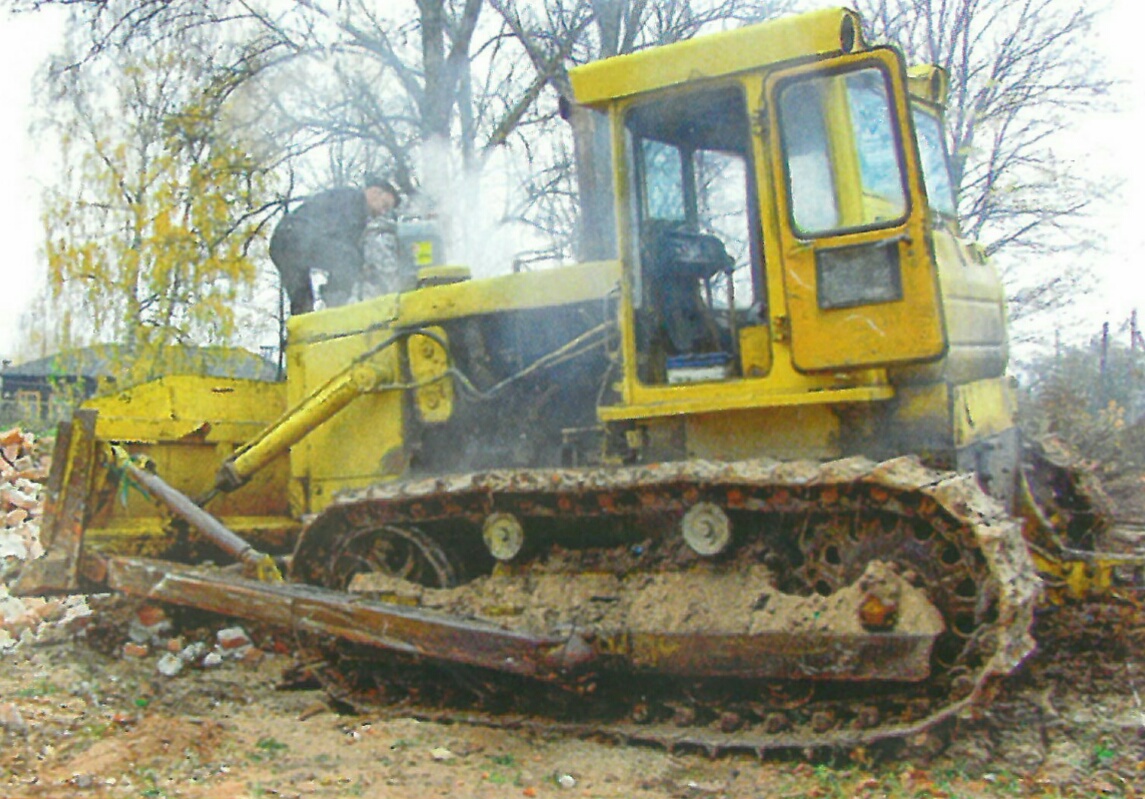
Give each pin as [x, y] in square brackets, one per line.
[27, 40]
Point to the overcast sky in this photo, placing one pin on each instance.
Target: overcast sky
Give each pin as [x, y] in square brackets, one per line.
[26, 40]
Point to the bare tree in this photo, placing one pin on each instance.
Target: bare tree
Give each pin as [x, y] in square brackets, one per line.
[1020, 71]
[429, 91]
[560, 33]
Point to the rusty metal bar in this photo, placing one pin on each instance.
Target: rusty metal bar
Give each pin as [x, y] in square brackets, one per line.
[802, 655]
[219, 534]
[317, 610]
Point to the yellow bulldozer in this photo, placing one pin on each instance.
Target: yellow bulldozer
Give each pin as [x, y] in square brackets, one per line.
[755, 482]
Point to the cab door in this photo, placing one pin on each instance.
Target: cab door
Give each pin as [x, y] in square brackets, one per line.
[859, 277]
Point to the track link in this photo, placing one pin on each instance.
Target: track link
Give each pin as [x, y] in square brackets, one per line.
[815, 525]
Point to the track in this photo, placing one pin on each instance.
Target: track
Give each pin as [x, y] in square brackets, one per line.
[816, 531]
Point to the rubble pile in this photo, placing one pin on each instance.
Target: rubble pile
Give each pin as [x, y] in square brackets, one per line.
[147, 632]
[24, 464]
[151, 634]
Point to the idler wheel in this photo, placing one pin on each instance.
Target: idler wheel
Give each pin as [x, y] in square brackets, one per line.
[706, 529]
[504, 536]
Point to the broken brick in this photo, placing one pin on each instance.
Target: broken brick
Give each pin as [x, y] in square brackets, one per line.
[134, 650]
[233, 638]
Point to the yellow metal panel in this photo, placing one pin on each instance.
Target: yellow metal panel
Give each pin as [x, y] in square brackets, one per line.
[164, 429]
[142, 535]
[361, 444]
[974, 303]
[204, 409]
[809, 431]
[924, 405]
[752, 47]
[187, 425]
[732, 395]
[983, 409]
[755, 350]
[433, 304]
[541, 289]
[345, 320]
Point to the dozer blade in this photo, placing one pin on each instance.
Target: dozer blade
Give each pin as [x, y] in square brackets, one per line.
[784, 637]
[73, 462]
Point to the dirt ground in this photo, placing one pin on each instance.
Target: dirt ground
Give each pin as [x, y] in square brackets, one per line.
[78, 722]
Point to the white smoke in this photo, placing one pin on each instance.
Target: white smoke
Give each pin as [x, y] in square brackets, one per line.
[470, 206]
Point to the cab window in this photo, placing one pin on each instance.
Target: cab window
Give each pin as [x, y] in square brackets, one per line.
[842, 158]
[696, 250]
[663, 181]
[935, 164]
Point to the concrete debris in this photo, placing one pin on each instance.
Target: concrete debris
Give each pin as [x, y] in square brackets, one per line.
[441, 754]
[83, 781]
[13, 498]
[233, 638]
[146, 631]
[13, 611]
[150, 626]
[24, 465]
[11, 720]
[169, 664]
[134, 649]
[150, 615]
[192, 653]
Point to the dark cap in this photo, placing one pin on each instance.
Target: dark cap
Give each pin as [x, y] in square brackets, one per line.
[374, 181]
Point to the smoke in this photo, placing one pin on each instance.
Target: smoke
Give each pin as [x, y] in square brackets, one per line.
[470, 203]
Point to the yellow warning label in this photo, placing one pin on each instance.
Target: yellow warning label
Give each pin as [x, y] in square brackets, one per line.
[423, 253]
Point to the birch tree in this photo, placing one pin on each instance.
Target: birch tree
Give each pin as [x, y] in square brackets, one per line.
[148, 236]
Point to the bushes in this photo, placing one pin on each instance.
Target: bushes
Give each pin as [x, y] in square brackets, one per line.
[1091, 397]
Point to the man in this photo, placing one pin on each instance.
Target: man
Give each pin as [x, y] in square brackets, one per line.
[325, 232]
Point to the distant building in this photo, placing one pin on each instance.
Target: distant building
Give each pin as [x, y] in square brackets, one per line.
[46, 389]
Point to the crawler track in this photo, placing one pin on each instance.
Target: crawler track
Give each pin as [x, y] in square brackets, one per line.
[815, 528]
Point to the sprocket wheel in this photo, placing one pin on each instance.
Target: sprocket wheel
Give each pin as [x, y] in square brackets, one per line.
[352, 674]
[834, 549]
[406, 553]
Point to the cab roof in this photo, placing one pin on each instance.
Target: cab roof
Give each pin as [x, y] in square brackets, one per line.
[815, 33]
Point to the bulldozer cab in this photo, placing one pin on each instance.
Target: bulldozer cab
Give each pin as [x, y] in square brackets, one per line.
[774, 224]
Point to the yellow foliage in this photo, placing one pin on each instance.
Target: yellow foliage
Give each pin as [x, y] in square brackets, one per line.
[148, 249]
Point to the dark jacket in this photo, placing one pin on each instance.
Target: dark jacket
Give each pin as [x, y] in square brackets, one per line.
[325, 232]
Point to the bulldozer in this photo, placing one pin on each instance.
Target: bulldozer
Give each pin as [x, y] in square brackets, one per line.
[753, 482]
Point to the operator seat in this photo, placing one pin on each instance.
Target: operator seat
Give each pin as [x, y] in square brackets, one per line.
[678, 263]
